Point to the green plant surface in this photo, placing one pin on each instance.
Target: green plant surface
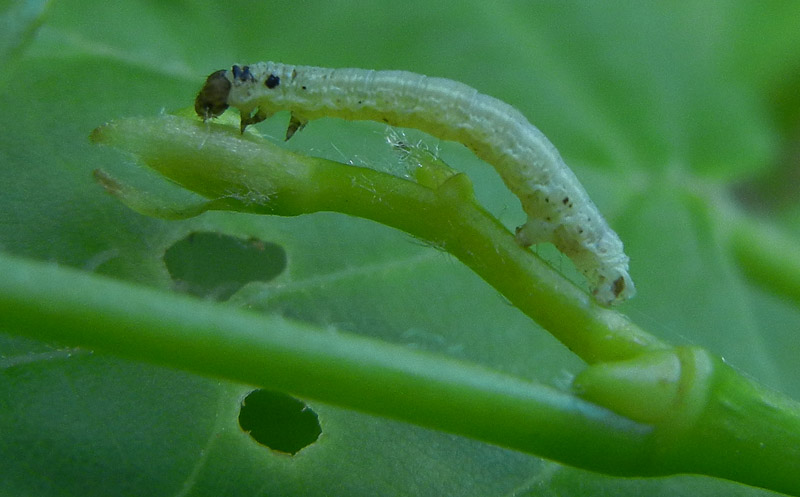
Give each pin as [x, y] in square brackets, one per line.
[340, 368]
[661, 110]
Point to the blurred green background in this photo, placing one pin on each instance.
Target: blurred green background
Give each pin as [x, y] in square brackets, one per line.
[667, 111]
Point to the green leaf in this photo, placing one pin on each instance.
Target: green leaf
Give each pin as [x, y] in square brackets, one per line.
[19, 20]
[653, 105]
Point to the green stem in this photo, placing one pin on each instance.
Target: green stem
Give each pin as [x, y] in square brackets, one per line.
[685, 411]
[708, 418]
[48, 302]
[249, 174]
[766, 256]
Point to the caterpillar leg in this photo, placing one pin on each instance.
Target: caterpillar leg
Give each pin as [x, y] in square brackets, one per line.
[296, 123]
[247, 119]
[534, 231]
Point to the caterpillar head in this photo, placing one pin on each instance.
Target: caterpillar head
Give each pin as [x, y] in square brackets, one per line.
[213, 97]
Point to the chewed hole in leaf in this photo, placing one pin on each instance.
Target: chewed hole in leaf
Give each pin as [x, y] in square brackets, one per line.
[279, 421]
[215, 266]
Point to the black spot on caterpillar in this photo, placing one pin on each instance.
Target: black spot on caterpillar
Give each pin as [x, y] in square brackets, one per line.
[272, 81]
[529, 164]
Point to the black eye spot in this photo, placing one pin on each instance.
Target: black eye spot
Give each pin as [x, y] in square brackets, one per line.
[272, 81]
[565, 201]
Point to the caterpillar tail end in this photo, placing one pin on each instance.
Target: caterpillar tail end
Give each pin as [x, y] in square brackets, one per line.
[613, 286]
[603, 263]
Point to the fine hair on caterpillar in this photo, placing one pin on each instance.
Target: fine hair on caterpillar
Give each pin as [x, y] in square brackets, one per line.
[559, 209]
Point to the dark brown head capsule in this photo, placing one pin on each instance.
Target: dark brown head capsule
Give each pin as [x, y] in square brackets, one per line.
[213, 97]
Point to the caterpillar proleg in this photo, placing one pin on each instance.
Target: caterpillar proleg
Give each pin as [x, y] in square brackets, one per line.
[559, 209]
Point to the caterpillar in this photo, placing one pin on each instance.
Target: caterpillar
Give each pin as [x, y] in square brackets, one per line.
[559, 209]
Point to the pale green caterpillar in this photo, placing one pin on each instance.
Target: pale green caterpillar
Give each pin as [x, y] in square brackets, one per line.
[559, 209]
